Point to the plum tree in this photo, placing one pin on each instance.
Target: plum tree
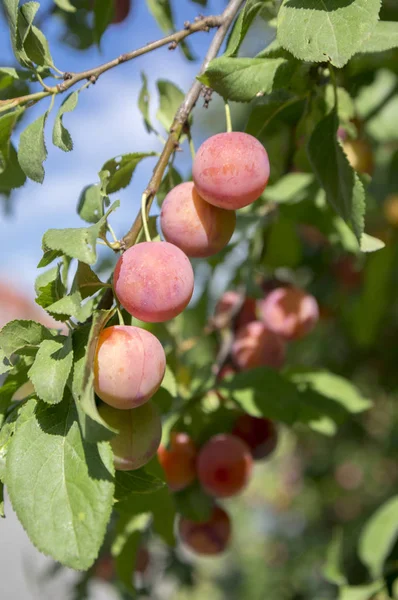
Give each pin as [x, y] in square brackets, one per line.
[226, 310]
[260, 434]
[178, 461]
[154, 281]
[129, 366]
[257, 346]
[209, 537]
[231, 170]
[197, 227]
[139, 434]
[121, 10]
[289, 312]
[224, 465]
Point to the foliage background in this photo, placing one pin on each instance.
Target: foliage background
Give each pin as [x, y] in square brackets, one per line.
[315, 484]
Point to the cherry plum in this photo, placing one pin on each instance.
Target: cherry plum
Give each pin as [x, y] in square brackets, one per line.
[129, 366]
[154, 281]
[197, 227]
[289, 312]
[208, 538]
[227, 307]
[121, 10]
[256, 346]
[231, 170]
[224, 465]
[178, 461]
[259, 434]
[138, 437]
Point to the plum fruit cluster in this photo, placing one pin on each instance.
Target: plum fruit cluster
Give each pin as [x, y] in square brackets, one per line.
[263, 327]
[154, 282]
[222, 467]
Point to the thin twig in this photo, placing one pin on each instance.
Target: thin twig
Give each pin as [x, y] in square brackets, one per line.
[181, 117]
[71, 79]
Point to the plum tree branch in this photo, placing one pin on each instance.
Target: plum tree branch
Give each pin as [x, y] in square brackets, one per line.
[180, 120]
[91, 75]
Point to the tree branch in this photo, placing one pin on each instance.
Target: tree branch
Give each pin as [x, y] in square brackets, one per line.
[180, 119]
[71, 79]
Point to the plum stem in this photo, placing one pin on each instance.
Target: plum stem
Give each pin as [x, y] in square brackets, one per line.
[228, 116]
[144, 217]
[191, 145]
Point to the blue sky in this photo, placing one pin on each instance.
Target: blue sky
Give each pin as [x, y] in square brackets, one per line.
[105, 124]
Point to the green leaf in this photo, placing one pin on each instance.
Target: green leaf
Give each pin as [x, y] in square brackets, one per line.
[334, 387]
[65, 5]
[383, 37]
[283, 246]
[22, 337]
[193, 503]
[68, 306]
[50, 370]
[7, 124]
[61, 136]
[136, 482]
[12, 176]
[242, 79]
[332, 569]
[86, 281]
[143, 103]
[103, 14]
[5, 365]
[121, 170]
[37, 48]
[326, 30]
[263, 114]
[32, 150]
[370, 308]
[94, 428]
[126, 543]
[160, 504]
[62, 491]
[242, 25]
[361, 592]
[370, 243]
[169, 181]
[14, 380]
[77, 243]
[170, 98]
[290, 189]
[378, 537]
[161, 11]
[49, 287]
[344, 190]
[90, 206]
[281, 402]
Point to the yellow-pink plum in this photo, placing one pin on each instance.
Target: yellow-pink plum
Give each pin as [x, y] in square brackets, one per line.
[256, 346]
[231, 170]
[129, 366]
[154, 281]
[197, 227]
[289, 312]
[139, 434]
